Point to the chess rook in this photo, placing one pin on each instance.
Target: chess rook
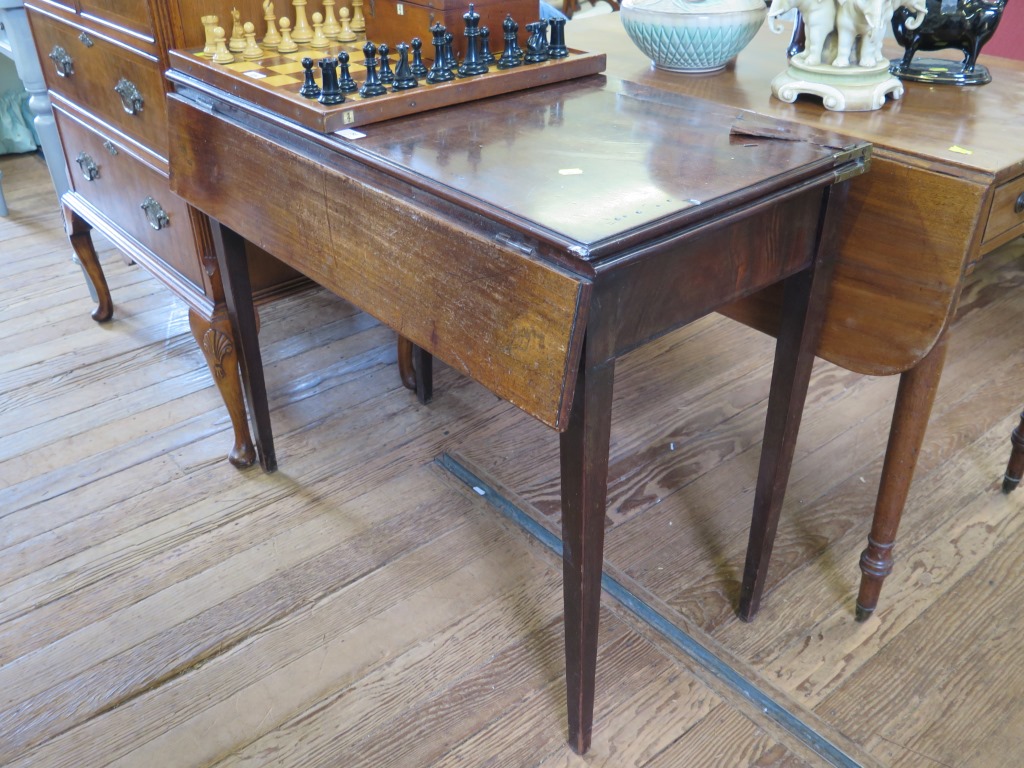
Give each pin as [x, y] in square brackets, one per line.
[331, 93]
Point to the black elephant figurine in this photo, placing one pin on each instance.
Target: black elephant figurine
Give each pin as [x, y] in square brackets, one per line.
[963, 24]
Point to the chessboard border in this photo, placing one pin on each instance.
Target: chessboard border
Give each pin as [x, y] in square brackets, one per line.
[354, 113]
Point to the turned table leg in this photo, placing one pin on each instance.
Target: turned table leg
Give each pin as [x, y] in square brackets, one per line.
[216, 339]
[80, 234]
[909, 422]
[416, 368]
[584, 466]
[1015, 467]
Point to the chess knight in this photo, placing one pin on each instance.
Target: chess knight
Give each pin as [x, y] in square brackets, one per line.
[841, 60]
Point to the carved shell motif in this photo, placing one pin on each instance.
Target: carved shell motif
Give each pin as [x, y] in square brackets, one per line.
[217, 346]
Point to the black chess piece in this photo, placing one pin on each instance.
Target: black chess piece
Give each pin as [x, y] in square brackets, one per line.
[384, 71]
[372, 86]
[418, 68]
[509, 59]
[450, 60]
[536, 43]
[404, 78]
[472, 63]
[331, 93]
[485, 47]
[556, 47]
[309, 89]
[439, 72]
[345, 81]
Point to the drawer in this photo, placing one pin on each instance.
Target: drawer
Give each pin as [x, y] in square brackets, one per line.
[122, 87]
[131, 15]
[1007, 216]
[104, 172]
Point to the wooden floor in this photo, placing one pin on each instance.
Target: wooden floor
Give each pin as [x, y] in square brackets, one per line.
[364, 607]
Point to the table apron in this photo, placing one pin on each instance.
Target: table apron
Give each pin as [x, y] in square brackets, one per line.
[679, 279]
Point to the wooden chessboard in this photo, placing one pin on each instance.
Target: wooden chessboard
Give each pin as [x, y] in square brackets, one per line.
[273, 82]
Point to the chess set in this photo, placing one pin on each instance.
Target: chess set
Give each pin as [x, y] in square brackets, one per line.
[320, 70]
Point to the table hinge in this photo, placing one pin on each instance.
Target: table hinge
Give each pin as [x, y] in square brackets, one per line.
[852, 161]
[506, 239]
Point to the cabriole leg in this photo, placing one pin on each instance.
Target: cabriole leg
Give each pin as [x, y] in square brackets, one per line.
[216, 339]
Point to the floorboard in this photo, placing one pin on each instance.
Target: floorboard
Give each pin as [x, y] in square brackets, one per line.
[364, 607]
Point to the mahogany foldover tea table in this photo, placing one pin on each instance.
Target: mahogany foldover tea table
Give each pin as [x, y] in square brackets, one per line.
[528, 241]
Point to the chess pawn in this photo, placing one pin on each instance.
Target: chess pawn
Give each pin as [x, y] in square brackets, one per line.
[318, 40]
[273, 37]
[287, 45]
[301, 32]
[331, 26]
[346, 35]
[358, 20]
[237, 42]
[221, 54]
[252, 50]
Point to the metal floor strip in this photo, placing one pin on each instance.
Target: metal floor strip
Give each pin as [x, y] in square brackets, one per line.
[686, 643]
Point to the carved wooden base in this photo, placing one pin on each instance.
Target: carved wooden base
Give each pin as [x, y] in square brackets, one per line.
[216, 338]
[842, 89]
[1015, 467]
[80, 234]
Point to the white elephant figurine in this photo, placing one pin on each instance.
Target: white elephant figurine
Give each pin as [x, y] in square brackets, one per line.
[868, 20]
[819, 17]
[859, 19]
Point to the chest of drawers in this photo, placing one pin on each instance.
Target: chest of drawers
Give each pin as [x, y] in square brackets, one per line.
[104, 64]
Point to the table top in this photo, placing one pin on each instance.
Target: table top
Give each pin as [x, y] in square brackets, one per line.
[929, 125]
[588, 167]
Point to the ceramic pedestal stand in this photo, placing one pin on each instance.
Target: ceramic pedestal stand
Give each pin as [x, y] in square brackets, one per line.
[842, 89]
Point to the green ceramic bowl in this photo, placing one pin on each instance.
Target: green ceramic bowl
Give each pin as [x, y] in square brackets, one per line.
[692, 36]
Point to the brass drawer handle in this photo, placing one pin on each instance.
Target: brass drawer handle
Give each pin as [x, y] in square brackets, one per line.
[131, 99]
[1018, 207]
[62, 62]
[158, 219]
[90, 170]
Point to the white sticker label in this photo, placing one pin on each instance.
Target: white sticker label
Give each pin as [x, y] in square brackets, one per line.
[400, 9]
[351, 133]
[254, 74]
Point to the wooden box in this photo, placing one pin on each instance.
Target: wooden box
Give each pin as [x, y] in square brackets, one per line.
[397, 21]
